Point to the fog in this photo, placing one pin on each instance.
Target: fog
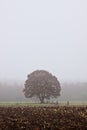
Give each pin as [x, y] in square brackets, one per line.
[49, 35]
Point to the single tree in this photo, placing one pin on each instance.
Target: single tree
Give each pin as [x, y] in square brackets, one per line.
[41, 84]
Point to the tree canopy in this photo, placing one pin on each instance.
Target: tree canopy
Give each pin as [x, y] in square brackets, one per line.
[41, 84]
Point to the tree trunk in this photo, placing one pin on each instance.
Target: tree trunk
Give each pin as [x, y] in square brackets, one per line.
[42, 100]
[41, 97]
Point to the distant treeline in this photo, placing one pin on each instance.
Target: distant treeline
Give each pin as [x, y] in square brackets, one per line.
[69, 92]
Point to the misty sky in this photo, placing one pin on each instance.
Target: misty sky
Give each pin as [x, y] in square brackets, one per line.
[43, 34]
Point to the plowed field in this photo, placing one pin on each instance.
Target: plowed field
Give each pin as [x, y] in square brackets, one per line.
[43, 118]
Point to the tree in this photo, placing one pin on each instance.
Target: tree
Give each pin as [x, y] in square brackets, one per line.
[41, 84]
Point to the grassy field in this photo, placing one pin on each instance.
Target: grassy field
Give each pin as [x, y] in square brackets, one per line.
[60, 103]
